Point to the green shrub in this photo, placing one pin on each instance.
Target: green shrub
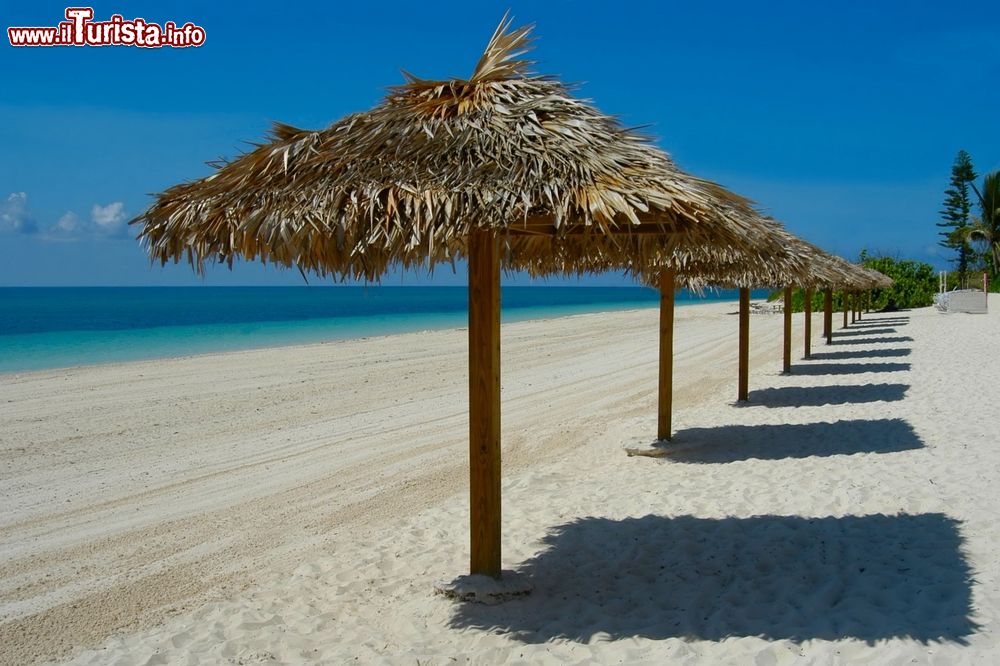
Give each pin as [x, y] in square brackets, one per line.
[915, 282]
[915, 286]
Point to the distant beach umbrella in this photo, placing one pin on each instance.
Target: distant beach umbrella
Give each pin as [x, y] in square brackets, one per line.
[505, 169]
[786, 260]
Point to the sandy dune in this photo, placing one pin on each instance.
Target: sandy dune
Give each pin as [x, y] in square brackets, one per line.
[297, 504]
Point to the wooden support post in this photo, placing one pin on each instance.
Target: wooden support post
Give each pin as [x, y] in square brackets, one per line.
[786, 365]
[843, 295]
[828, 316]
[808, 322]
[854, 307]
[744, 363]
[666, 393]
[484, 402]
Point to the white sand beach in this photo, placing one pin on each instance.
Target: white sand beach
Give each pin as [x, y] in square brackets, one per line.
[296, 505]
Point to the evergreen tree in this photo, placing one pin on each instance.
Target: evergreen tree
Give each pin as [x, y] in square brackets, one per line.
[955, 214]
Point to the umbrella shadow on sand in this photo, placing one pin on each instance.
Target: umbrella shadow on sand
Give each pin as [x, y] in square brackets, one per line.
[868, 331]
[733, 443]
[889, 352]
[898, 321]
[815, 396]
[871, 341]
[868, 577]
[847, 368]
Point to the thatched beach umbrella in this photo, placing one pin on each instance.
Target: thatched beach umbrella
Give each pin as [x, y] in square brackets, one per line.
[827, 271]
[506, 169]
[850, 279]
[768, 255]
[846, 275]
[855, 278]
[858, 279]
[802, 264]
[776, 257]
[791, 261]
[872, 279]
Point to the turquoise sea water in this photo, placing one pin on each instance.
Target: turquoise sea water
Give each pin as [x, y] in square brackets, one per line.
[60, 327]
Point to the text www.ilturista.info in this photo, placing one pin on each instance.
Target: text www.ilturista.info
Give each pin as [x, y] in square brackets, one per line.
[81, 30]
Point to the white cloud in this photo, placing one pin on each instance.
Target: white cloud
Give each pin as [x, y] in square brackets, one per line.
[15, 216]
[109, 219]
[69, 222]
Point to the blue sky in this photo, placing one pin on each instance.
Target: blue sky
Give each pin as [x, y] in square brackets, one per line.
[840, 119]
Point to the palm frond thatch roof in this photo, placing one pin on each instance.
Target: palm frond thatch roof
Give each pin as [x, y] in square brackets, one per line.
[787, 261]
[771, 257]
[405, 183]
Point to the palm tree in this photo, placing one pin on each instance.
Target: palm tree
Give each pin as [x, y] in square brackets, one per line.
[986, 227]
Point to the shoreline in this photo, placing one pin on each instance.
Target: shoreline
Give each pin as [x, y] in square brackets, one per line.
[517, 315]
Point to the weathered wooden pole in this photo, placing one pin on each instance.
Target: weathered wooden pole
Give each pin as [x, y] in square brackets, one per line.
[828, 316]
[808, 322]
[744, 363]
[843, 295]
[786, 365]
[854, 307]
[666, 394]
[484, 402]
